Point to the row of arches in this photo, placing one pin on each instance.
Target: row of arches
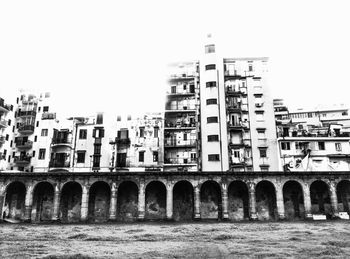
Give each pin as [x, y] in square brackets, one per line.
[239, 202]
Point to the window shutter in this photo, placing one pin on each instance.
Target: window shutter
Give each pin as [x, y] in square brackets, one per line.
[94, 133]
[118, 134]
[102, 133]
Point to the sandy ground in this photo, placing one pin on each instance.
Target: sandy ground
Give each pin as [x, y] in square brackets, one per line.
[177, 240]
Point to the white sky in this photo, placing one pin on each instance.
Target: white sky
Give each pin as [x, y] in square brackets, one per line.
[111, 55]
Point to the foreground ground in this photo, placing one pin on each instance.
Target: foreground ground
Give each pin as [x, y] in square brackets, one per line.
[177, 240]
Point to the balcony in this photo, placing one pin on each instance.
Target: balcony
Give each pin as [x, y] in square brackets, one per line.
[234, 92]
[181, 77]
[180, 94]
[5, 107]
[122, 141]
[228, 74]
[26, 113]
[244, 143]
[234, 108]
[180, 108]
[48, 116]
[59, 164]
[22, 160]
[3, 123]
[24, 144]
[26, 129]
[171, 143]
[56, 142]
[180, 162]
[179, 125]
[237, 126]
[240, 162]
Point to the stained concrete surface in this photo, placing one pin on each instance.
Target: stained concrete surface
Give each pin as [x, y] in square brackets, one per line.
[177, 240]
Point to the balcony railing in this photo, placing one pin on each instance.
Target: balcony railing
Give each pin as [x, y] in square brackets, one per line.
[24, 144]
[180, 143]
[61, 141]
[3, 123]
[5, 107]
[180, 108]
[184, 76]
[48, 116]
[180, 161]
[179, 125]
[26, 113]
[22, 159]
[312, 134]
[26, 128]
[240, 125]
[180, 93]
[59, 164]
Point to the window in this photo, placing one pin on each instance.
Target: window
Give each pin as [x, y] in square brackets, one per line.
[7, 137]
[259, 116]
[173, 89]
[33, 154]
[338, 146]
[264, 168]
[35, 138]
[285, 145]
[155, 156]
[261, 134]
[129, 118]
[213, 138]
[97, 149]
[250, 67]
[212, 119]
[321, 146]
[45, 108]
[210, 84]
[42, 152]
[98, 132]
[214, 157]
[142, 132]
[39, 109]
[81, 156]
[99, 118]
[210, 67]
[9, 122]
[141, 156]
[184, 86]
[263, 152]
[185, 136]
[156, 132]
[119, 118]
[37, 123]
[123, 133]
[210, 48]
[96, 161]
[44, 132]
[83, 134]
[47, 95]
[212, 101]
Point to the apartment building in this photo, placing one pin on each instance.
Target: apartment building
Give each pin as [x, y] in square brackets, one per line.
[237, 116]
[6, 126]
[138, 143]
[182, 145]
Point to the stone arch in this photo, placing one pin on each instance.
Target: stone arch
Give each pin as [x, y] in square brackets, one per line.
[266, 207]
[343, 194]
[238, 200]
[293, 200]
[14, 206]
[43, 196]
[127, 201]
[320, 198]
[211, 200]
[155, 196]
[99, 201]
[183, 208]
[70, 202]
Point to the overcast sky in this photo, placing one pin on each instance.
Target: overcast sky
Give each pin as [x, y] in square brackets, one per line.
[111, 55]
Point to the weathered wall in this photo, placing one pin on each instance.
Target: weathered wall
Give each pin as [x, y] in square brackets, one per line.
[15, 198]
[238, 203]
[42, 202]
[210, 201]
[70, 205]
[155, 201]
[99, 200]
[183, 201]
[127, 202]
[265, 201]
[293, 201]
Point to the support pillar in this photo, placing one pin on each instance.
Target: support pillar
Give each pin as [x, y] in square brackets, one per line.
[169, 203]
[2, 202]
[84, 203]
[142, 201]
[224, 202]
[334, 198]
[28, 204]
[113, 202]
[307, 201]
[280, 202]
[252, 202]
[56, 203]
[197, 201]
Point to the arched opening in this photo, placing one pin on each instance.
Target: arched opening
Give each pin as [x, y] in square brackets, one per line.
[183, 201]
[70, 205]
[43, 202]
[99, 199]
[293, 200]
[343, 194]
[266, 201]
[155, 200]
[211, 202]
[238, 201]
[14, 202]
[320, 198]
[127, 201]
